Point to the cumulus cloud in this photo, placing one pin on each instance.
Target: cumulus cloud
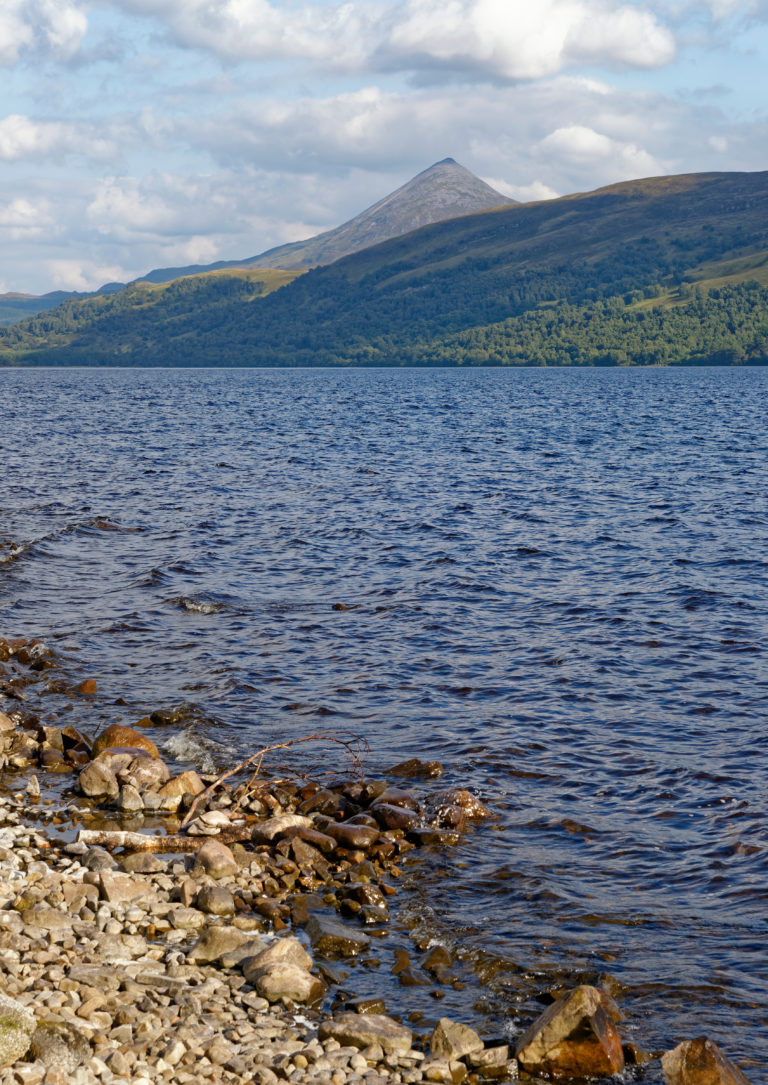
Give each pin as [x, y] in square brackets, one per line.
[21, 218]
[83, 275]
[583, 145]
[40, 27]
[498, 39]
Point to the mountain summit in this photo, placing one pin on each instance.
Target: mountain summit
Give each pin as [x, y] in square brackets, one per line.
[445, 190]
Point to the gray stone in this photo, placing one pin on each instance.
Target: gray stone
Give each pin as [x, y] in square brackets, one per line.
[216, 941]
[215, 900]
[281, 951]
[98, 781]
[266, 831]
[284, 980]
[361, 1030]
[17, 1026]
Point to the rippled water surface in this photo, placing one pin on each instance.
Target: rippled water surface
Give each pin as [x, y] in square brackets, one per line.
[554, 581]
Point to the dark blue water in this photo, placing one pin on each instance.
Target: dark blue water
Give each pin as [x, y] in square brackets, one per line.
[554, 581]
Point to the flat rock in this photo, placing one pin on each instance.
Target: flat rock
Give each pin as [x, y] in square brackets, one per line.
[574, 1037]
[452, 1040]
[17, 1026]
[187, 783]
[700, 1062]
[362, 1030]
[118, 888]
[333, 939]
[354, 837]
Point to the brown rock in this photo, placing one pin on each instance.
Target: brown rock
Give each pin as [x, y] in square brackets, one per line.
[119, 735]
[188, 783]
[119, 888]
[394, 817]
[451, 1040]
[362, 1030]
[700, 1062]
[216, 941]
[353, 837]
[333, 939]
[87, 688]
[415, 767]
[470, 804]
[215, 859]
[575, 1037]
[397, 796]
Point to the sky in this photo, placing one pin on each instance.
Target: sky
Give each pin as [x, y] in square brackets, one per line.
[137, 134]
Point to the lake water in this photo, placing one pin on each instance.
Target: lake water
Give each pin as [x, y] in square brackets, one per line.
[554, 582]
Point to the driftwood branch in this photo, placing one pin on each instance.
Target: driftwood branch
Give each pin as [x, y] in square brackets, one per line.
[353, 744]
[118, 838]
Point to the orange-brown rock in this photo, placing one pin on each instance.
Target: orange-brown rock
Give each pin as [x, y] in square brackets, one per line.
[187, 783]
[470, 804]
[574, 1038]
[87, 688]
[118, 735]
[700, 1062]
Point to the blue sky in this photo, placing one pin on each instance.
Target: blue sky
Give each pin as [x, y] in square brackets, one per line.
[137, 134]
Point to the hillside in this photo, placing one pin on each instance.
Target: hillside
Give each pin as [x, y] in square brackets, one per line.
[445, 190]
[654, 270]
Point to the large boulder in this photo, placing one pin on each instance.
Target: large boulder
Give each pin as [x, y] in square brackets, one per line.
[452, 1040]
[333, 939]
[17, 1026]
[284, 980]
[576, 1037]
[700, 1062]
[216, 860]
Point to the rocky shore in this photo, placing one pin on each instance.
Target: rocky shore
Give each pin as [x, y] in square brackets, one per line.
[191, 929]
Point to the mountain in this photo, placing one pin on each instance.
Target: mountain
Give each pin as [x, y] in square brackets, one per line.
[15, 307]
[667, 270]
[443, 191]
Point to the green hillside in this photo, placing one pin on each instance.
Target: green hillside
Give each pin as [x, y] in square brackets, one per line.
[669, 270]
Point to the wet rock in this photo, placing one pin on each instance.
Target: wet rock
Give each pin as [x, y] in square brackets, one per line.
[700, 1062]
[394, 817]
[17, 1026]
[333, 939]
[6, 723]
[362, 1030]
[215, 900]
[98, 781]
[216, 860]
[87, 688]
[398, 796]
[324, 843]
[452, 1040]
[353, 837]
[459, 796]
[414, 767]
[60, 1044]
[449, 817]
[575, 1037]
[437, 838]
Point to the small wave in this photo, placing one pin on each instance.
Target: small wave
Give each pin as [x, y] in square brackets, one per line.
[10, 551]
[204, 752]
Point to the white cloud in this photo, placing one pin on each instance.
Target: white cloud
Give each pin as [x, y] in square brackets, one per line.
[495, 39]
[583, 145]
[529, 193]
[22, 137]
[22, 218]
[74, 274]
[40, 27]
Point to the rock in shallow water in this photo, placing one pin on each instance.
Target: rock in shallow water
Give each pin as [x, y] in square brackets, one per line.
[700, 1062]
[575, 1037]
